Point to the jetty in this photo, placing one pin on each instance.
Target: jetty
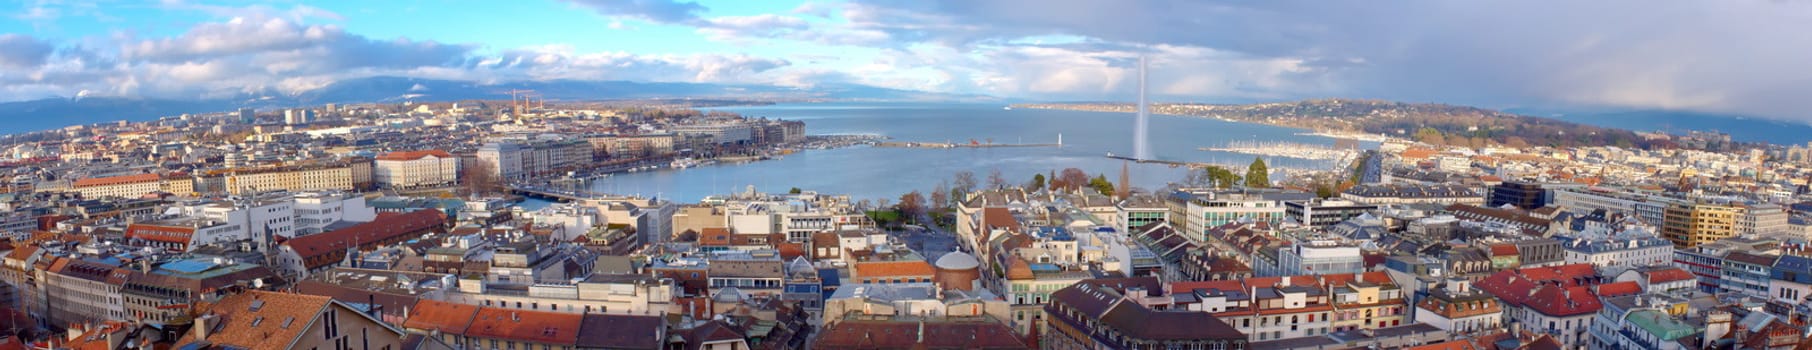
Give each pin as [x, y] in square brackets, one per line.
[971, 144]
[552, 194]
[1285, 149]
[962, 145]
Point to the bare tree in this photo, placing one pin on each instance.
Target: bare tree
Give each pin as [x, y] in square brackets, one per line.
[996, 180]
[940, 197]
[1070, 179]
[912, 204]
[965, 181]
[480, 178]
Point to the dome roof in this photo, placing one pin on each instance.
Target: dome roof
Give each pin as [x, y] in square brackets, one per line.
[957, 261]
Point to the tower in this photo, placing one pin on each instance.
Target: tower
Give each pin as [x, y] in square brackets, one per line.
[1141, 150]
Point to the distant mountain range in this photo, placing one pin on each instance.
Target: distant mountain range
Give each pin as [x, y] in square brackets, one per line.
[25, 116]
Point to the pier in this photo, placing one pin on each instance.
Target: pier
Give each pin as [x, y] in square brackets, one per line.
[1171, 163]
[552, 194]
[962, 145]
[1286, 149]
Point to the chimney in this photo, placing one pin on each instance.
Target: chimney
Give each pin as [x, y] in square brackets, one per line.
[75, 331]
[371, 306]
[1456, 285]
[204, 325]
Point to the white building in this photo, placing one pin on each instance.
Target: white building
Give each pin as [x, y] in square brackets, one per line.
[1216, 208]
[526, 159]
[1459, 309]
[1792, 280]
[1616, 251]
[416, 169]
[601, 293]
[1318, 256]
[572, 220]
[315, 211]
[1761, 219]
[297, 116]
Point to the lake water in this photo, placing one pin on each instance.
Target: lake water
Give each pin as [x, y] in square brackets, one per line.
[878, 172]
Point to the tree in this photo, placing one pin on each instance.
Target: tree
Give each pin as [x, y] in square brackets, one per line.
[1324, 191]
[1258, 175]
[1070, 180]
[480, 178]
[1036, 184]
[1100, 184]
[1221, 177]
[1516, 142]
[995, 180]
[795, 190]
[940, 197]
[912, 204]
[1200, 177]
[965, 182]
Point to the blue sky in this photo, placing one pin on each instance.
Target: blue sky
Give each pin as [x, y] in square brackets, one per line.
[1739, 56]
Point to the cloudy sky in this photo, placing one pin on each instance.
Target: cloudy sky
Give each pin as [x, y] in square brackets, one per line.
[1749, 57]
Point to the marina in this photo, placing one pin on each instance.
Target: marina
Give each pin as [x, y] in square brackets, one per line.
[1285, 149]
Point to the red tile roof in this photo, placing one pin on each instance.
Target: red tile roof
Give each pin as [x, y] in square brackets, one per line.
[886, 269]
[160, 233]
[527, 326]
[1448, 345]
[1558, 291]
[385, 227]
[1185, 287]
[1503, 249]
[413, 155]
[714, 237]
[1417, 153]
[267, 327]
[1619, 289]
[999, 218]
[431, 315]
[115, 180]
[1019, 269]
[914, 335]
[1670, 274]
[1563, 301]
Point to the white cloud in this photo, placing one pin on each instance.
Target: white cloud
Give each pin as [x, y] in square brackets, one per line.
[1741, 57]
[20, 51]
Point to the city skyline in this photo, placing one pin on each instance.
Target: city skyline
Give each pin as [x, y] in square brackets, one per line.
[1491, 54]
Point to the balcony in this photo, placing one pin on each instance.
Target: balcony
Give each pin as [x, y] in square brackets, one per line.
[1641, 342]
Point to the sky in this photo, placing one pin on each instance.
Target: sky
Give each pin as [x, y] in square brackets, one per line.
[1746, 57]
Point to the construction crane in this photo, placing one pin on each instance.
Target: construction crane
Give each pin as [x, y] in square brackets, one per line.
[519, 100]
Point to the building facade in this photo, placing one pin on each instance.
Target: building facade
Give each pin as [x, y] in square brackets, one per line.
[415, 169]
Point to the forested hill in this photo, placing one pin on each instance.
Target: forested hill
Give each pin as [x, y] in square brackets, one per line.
[1426, 122]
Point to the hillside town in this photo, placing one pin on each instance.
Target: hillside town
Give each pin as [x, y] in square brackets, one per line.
[405, 226]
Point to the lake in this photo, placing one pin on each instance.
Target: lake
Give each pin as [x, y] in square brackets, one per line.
[866, 172]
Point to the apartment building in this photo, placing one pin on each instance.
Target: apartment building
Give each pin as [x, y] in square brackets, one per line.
[415, 169]
[1271, 308]
[474, 327]
[1458, 308]
[1559, 300]
[1117, 313]
[260, 320]
[515, 160]
[133, 186]
[1209, 209]
[1690, 224]
[299, 178]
